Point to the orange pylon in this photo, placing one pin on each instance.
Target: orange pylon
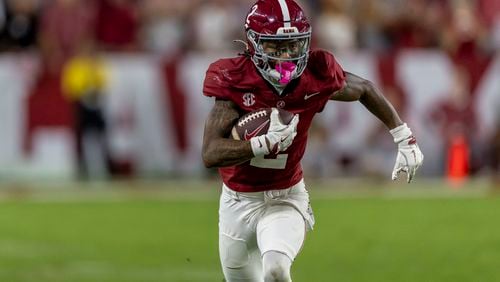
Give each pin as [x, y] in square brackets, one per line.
[458, 161]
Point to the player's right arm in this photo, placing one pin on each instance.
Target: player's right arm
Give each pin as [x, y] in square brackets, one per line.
[218, 149]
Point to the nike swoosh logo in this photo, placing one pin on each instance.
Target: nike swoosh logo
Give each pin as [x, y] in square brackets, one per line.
[310, 95]
[255, 131]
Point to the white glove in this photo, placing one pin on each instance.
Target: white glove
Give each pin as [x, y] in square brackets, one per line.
[409, 157]
[278, 138]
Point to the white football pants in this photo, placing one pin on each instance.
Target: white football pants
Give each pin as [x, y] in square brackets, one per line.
[253, 224]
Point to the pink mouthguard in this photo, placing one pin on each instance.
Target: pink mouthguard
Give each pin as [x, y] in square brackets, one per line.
[285, 69]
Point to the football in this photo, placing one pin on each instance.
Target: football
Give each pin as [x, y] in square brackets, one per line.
[256, 123]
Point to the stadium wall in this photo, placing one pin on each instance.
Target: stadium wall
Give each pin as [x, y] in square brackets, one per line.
[156, 111]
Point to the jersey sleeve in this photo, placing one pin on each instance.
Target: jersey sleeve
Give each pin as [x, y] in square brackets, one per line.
[326, 67]
[215, 84]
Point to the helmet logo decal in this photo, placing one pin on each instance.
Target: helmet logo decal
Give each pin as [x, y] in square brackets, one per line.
[247, 22]
[248, 99]
[285, 12]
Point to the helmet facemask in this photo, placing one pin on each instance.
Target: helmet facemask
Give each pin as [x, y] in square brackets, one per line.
[282, 57]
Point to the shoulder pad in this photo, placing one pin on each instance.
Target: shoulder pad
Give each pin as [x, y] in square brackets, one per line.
[227, 71]
[322, 63]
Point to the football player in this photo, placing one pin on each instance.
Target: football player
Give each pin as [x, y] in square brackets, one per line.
[264, 206]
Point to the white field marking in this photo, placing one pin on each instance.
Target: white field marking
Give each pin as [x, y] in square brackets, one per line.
[105, 270]
[24, 249]
[99, 270]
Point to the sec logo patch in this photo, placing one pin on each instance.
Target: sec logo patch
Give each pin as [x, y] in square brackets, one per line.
[248, 99]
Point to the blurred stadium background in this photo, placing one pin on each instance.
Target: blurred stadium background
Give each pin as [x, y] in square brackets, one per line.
[101, 119]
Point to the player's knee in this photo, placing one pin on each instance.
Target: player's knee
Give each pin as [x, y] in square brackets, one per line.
[276, 267]
[277, 273]
[233, 252]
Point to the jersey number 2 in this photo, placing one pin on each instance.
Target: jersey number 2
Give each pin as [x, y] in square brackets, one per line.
[270, 161]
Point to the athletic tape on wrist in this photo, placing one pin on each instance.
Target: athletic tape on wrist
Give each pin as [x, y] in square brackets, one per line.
[400, 133]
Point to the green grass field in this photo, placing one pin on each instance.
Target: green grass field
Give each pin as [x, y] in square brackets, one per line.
[168, 232]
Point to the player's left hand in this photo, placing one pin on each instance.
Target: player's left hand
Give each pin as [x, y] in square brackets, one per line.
[409, 157]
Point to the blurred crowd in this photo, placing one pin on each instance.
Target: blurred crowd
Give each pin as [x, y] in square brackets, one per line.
[60, 30]
[58, 27]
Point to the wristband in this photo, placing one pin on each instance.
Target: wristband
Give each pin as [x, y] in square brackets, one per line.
[400, 133]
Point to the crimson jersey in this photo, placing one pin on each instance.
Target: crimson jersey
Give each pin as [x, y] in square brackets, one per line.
[237, 80]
